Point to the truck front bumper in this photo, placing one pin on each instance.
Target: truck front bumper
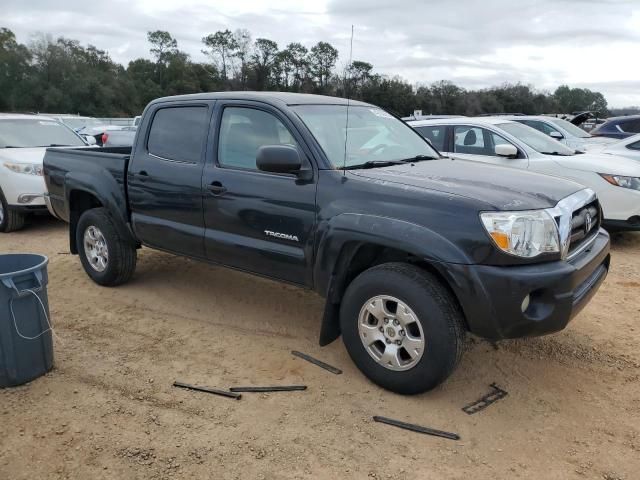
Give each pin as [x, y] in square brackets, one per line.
[528, 300]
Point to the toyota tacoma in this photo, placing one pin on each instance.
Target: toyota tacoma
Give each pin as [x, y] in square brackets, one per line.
[411, 250]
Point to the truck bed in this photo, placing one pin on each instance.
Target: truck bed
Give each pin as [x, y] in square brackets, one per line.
[80, 166]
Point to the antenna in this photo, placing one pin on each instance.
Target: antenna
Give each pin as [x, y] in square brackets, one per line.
[348, 93]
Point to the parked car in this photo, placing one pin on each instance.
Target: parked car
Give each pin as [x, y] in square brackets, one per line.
[91, 129]
[428, 117]
[23, 141]
[509, 143]
[618, 127]
[629, 147]
[120, 137]
[561, 130]
[409, 249]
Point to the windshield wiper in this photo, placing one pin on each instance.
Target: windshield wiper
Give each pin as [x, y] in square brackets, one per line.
[11, 146]
[375, 164]
[54, 145]
[557, 154]
[419, 158]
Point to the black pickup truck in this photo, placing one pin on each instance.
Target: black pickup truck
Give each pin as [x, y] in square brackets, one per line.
[410, 249]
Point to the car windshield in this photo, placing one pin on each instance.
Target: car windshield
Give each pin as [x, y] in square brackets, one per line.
[31, 132]
[570, 127]
[77, 123]
[535, 139]
[373, 137]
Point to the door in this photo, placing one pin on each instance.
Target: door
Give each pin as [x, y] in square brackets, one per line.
[257, 221]
[478, 144]
[165, 179]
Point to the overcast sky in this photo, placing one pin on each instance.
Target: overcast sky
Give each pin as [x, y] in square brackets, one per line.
[476, 44]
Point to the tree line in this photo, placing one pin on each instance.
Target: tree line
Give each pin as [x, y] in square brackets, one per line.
[62, 76]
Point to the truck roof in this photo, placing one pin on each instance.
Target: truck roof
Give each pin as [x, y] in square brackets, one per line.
[281, 98]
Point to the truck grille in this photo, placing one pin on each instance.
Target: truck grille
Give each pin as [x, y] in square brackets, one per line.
[585, 223]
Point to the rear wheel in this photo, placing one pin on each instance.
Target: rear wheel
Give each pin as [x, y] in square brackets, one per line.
[402, 327]
[106, 257]
[10, 220]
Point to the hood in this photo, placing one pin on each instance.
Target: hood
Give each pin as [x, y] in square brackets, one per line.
[503, 188]
[595, 144]
[22, 155]
[26, 155]
[600, 140]
[601, 163]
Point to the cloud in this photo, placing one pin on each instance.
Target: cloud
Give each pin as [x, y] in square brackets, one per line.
[544, 43]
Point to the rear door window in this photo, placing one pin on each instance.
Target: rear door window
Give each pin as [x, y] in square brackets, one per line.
[435, 134]
[633, 126]
[178, 133]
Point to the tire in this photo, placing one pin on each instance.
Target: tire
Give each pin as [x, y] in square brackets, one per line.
[119, 263]
[431, 314]
[10, 220]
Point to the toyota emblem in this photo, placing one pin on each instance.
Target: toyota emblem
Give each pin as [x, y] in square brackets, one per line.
[588, 222]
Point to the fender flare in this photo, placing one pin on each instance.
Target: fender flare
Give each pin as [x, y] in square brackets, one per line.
[107, 191]
[343, 235]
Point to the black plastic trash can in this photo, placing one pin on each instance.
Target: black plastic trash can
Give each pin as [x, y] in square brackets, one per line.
[26, 346]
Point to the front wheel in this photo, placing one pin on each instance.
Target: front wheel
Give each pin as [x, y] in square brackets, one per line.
[10, 220]
[106, 257]
[402, 327]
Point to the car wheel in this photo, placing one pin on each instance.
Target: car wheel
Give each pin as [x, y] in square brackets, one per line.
[402, 327]
[106, 257]
[10, 220]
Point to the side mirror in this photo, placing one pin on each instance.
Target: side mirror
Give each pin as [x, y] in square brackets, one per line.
[556, 135]
[91, 140]
[506, 150]
[278, 159]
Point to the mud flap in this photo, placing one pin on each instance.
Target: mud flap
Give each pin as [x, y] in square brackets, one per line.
[330, 329]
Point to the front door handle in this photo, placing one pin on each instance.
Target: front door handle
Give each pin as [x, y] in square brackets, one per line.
[216, 188]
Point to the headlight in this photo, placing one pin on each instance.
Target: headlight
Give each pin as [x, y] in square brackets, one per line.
[528, 233]
[625, 182]
[26, 168]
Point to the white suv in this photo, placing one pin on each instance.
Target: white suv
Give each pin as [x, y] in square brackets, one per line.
[23, 141]
[615, 179]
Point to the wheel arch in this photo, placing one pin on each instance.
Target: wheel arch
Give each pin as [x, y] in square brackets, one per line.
[346, 253]
[81, 198]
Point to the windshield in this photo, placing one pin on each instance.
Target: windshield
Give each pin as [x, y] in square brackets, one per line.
[31, 132]
[77, 123]
[535, 139]
[570, 127]
[373, 135]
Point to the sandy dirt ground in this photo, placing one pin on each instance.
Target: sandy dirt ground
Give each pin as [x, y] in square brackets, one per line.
[108, 409]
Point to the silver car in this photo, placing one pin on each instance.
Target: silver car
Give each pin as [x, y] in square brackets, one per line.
[562, 130]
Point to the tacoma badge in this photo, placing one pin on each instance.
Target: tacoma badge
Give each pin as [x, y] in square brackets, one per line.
[281, 235]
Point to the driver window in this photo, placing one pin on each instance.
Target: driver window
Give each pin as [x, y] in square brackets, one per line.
[496, 140]
[476, 141]
[540, 126]
[243, 131]
[469, 140]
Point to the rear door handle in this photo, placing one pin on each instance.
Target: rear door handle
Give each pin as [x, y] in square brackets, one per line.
[216, 188]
